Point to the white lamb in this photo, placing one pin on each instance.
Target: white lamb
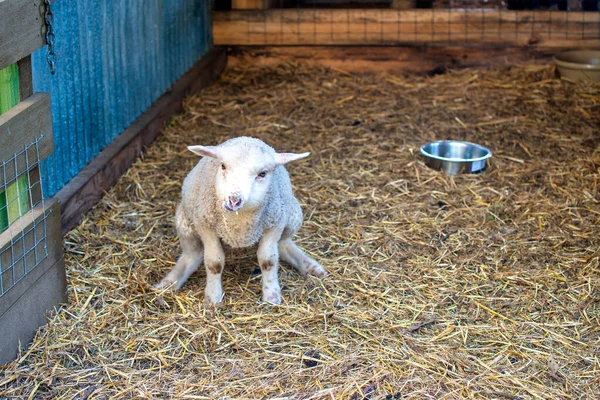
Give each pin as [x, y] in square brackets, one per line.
[240, 194]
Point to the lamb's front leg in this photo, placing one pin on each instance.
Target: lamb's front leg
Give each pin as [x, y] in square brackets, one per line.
[268, 259]
[214, 261]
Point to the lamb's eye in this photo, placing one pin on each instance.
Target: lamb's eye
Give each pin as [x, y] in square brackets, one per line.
[262, 174]
[223, 167]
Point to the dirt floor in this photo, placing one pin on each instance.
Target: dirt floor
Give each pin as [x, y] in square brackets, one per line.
[481, 286]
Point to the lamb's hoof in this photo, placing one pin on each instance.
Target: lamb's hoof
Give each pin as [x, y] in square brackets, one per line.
[213, 298]
[315, 269]
[273, 297]
[211, 308]
[161, 303]
[211, 302]
[166, 284]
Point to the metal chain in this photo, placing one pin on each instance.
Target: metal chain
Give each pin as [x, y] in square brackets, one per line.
[49, 18]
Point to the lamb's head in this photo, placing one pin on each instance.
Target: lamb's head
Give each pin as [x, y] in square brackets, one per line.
[245, 170]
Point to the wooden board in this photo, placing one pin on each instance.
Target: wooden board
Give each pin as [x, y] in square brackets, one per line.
[19, 127]
[253, 4]
[485, 28]
[20, 322]
[399, 60]
[21, 29]
[53, 242]
[87, 188]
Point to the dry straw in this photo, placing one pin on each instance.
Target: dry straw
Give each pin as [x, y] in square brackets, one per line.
[482, 287]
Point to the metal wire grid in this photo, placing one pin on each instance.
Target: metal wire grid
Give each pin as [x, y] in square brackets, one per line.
[22, 216]
[435, 25]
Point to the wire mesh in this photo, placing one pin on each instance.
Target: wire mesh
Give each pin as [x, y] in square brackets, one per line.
[22, 216]
[553, 23]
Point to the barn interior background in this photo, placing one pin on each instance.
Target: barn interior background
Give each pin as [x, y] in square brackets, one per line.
[522, 318]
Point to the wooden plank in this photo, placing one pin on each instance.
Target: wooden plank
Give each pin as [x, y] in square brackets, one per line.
[22, 29]
[254, 4]
[485, 28]
[247, 4]
[25, 78]
[88, 187]
[414, 60]
[20, 322]
[21, 126]
[53, 243]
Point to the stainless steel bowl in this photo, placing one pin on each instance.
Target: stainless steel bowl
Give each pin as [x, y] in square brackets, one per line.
[454, 157]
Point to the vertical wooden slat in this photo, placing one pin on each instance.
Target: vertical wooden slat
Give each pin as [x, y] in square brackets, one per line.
[25, 78]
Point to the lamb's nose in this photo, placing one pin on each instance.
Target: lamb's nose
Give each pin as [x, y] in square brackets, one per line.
[235, 201]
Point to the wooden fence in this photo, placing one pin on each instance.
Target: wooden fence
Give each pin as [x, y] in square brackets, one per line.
[32, 274]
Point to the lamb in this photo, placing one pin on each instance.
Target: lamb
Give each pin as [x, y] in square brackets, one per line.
[239, 195]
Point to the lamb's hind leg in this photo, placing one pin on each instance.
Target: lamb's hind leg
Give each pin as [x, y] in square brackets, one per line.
[191, 256]
[292, 254]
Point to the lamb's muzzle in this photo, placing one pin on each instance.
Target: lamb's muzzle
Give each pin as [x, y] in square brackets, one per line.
[234, 202]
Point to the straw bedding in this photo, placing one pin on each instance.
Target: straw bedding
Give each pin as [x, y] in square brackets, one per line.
[481, 286]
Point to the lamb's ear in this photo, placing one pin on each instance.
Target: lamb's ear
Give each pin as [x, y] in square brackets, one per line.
[206, 151]
[284, 158]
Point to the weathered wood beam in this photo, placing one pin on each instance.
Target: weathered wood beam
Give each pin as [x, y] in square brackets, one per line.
[21, 29]
[413, 60]
[484, 28]
[87, 188]
[254, 4]
[21, 126]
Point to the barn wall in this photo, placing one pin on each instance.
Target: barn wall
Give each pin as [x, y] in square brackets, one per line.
[114, 59]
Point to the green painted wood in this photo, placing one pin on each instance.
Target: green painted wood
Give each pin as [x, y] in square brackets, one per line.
[14, 199]
[17, 199]
[9, 87]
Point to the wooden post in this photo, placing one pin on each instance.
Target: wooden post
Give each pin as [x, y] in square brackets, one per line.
[32, 273]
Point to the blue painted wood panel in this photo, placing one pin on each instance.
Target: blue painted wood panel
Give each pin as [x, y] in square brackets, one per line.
[113, 60]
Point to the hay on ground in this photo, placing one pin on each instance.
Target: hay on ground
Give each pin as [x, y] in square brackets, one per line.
[481, 286]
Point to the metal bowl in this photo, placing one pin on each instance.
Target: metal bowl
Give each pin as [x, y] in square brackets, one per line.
[453, 157]
[579, 65]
